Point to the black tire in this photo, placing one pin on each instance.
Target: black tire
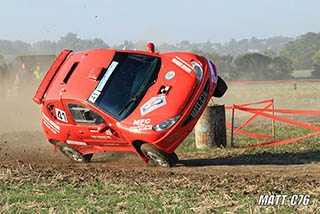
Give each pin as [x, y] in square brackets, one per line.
[221, 88]
[88, 157]
[157, 156]
[73, 154]
[173, 158]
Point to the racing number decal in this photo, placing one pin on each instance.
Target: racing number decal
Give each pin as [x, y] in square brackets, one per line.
[61, 115]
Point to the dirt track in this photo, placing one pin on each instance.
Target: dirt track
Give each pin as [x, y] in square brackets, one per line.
[26, 155]
[30, 147]
[226, 177]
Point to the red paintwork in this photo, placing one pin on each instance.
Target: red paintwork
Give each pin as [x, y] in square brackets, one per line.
[180, 99]
[150, 47]
[50, 75]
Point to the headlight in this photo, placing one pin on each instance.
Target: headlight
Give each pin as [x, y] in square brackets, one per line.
[166, 124]
[198, 70]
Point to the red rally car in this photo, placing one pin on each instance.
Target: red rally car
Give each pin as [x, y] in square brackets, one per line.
[118, 100]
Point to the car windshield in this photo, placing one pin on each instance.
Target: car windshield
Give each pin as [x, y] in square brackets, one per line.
[124, 83]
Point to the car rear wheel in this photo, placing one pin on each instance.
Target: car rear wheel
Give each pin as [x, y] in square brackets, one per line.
[159, 157]
[74, 154]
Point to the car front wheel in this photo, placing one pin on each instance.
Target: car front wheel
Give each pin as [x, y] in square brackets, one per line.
[159, 157]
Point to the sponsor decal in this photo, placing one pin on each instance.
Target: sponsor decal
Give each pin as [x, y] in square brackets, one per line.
[140, 125]
[142, 121]
[181, 60]
[101, 137]
[110, 144]
[116, 144]
[61, 115]
[182, 64]
[96, 93]
[137, 129]
[169, 75]
[201, 101]
[152, 104]
[107, 75]
[108, 132]
[52, 126]
[213, 76]
[94, 96]
[76, 143]
[172, 138]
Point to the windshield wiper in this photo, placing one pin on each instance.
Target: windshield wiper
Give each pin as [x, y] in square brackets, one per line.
[137, 97]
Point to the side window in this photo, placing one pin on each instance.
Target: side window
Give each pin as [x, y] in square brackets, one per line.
[84, 115]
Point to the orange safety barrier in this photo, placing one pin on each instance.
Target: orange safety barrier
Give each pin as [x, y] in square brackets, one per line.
[249, 121]
[262, 112]
[271, 82]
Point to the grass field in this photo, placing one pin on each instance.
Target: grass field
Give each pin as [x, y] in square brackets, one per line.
[302, 73]
[304, 97]
[37, 190]
[220, 180]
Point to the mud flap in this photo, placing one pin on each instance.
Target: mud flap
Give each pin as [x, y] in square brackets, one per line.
[55, 148]
[221, 88]
[144, 158]
[136, 146]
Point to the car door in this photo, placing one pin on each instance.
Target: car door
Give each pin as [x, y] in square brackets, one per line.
[87, 127]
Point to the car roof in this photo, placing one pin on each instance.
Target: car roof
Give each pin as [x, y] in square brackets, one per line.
[72, 80]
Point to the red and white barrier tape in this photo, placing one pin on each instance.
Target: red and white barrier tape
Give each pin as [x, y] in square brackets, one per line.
[261, 112]
[270, 82]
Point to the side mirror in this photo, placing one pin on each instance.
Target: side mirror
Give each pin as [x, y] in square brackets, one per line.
[102, 127]
[150, 47]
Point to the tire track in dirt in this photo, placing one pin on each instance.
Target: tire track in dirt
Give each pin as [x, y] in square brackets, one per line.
[31, 148]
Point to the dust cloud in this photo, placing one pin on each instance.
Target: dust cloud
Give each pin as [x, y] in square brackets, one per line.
[21, 135]
[17, 110]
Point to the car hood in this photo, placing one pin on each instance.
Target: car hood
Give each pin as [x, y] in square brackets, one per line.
[171, 92]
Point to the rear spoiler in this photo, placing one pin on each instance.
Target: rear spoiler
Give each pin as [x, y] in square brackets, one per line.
[44, 85]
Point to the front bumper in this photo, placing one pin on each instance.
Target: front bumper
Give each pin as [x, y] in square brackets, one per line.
[191, 114]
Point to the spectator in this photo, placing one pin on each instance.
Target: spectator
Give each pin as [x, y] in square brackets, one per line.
[37, 75]
[4, 77]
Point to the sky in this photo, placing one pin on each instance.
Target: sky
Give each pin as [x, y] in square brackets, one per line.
[169, 21]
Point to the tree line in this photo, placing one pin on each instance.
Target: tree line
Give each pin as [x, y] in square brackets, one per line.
[302, 53]
[69, 41]
[274, 58]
